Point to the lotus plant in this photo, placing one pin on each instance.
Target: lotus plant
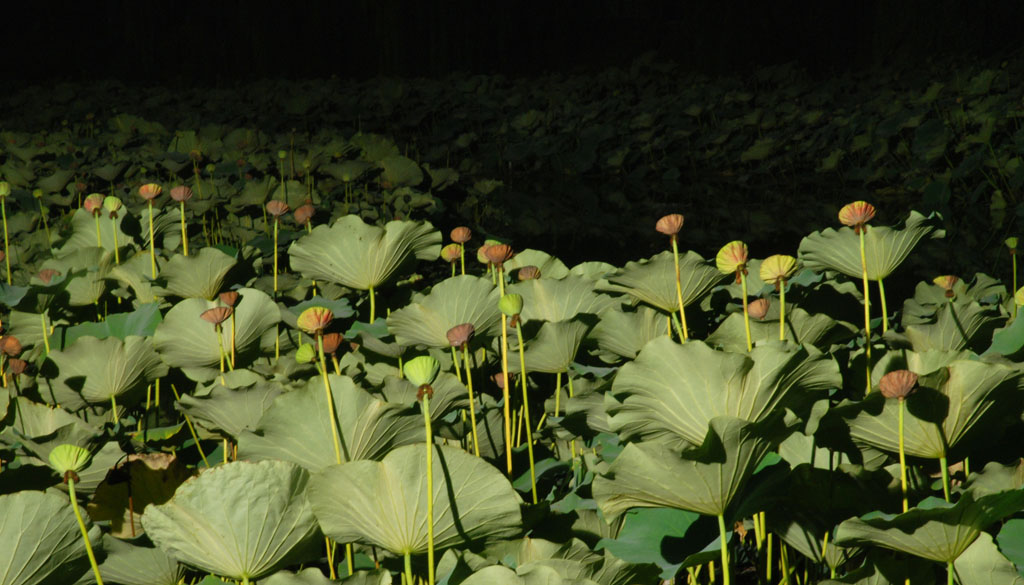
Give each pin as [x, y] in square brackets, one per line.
[510, 304]
[38, 194]
[303, 215]
[1011, 244]
[512, 308]
[181, 194]
[899, 384]
[276, 209]
[314, 321]
[216, 316]
[5, 191]
[732, 259]
[670, 226]
[113, 206]
[422, 371]
[459, 337]
[857, 215]
[68, 460]
[450, 254]
[776, 270]
[149, 192]
[460, 236]
[230, 299]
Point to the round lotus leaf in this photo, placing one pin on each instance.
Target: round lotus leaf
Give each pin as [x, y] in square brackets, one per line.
[559, 300]
[199, 276]
[451, 302]
[83, 232]
[623, 334]
[128, 564]
[472, 501]
[92, 370]
[240, 520]
[42, 542]
[652, 281]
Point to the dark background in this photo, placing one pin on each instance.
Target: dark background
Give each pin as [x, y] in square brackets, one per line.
[224, 40]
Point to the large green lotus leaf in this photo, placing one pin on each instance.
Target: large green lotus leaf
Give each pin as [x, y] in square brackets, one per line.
[547, 299]
[472, 500]
[41, 428]
[954, 326]
[313, 576]
[449, 394]
[239, 520]
[136, 273]
[935, 530]
[98, 369]
[42, 544]
[652, 281]
[645, 529]
[296, 427]
[401, 171]
[624, 333]
[884, 247]
[983, 564]
[128, 564]
[83, 232]
[885, 568]
[361, 256]
[185, 340]
[142, 322]
[454, 301]
[553, 348]
[594, 270]
[818, 330]
[949, 405]
[674, 390]
[704, 480]
[199, 276]
[122, 496]
[229, 411]
[550, 267]
[86, 269]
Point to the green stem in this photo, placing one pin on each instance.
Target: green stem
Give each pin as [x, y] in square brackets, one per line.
[746, 315]
[276, 223]
[330, 399]
[191, 429]
[99, 241]
[152, 242]
[430, 490]
[725, 549]
[949, 573]
[462, 260]
[46, 335]
[782, 310]
[472, 400]
[184, 234]
[679, 289]
[455, 363]
[46, 226]
[903, 459]
[1013, 256]
[85, 531]
[117, 253]
[373, 305]
[113, 409]
[867, 310]
[944, 468]
[526, 415]
[7, 247]
[505, 393]
[885, 310]
[408, 569]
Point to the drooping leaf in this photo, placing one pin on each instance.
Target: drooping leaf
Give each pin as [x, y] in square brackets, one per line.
[42, 541]
[197, 276]
[149, 478]
[553, 348]
[624, 333]
[91, 371]
[129, 564]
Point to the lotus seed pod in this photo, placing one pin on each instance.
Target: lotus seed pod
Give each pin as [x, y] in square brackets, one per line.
[461, 234]
[421, 370]
[93, 203]
[150, 191]
[777, 269]
[732, 258]
[229, 298]
[69, 458]
[18, 366]
[314, 320]
[758, 308]
[277, 208]
[451, 253]
[856, 215]
[481, 253]
[461, 334]
[181, 193]
[511, 305]
[112, 204]
[304, 213]
[528, 273]
[670, 224]
[946, 283]
[498, 254]
[282, 154]
[5, 188]
[898, 384]
[46, 274]
[332, 341]
[1018, 297]
[37, 193]
[305, 354]
[216, 315]
[1011, 243]
[10, 345]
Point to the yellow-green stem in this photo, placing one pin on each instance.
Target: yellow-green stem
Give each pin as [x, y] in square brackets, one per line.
[99, 241]
[232, 340]
[85, 531]
[679, 290]
[7, 247]
[184, 234]
[526, 415]
[472, 400]
[329, 544]
[113, 409]
[782, 310]
[1013, 257]
[430, 490]
[725, 549]
[462, 260]
[117, 253]
[885, 310]
[746, 314]
[276, 223]
[408, 569]
[46, 333]
[944, 469]
[191, 429]
[455, 363]
[903, 459]
[768, 556]
[330, 399]
[558, 391]
[152, 242]
[373, 305]
[505, 393]
[349, 561]
[867, 310]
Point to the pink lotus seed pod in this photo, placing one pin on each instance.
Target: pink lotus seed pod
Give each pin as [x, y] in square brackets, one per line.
[332, 341]
[732, 258]
[277, 208]
[216, 315]
[304, 213]
[528, 273]
[315, 319]
[229, 298]
[758, 308]
[461, 234]
[946, 283]
[150, 191]
[181, 193]
[856, 215]
[47, 274]
[10, 345]
[498, 254]
[93, 203]
[670, 224]
[461, 334]
[451, 253]
[898, 384]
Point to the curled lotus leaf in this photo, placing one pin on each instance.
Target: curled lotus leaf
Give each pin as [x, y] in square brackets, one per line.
[277, 208]
[652, 281]
[460, 335]
[92, 371]
[421, 370]
[451, 253]
[360, 256]
[216, 315]
[150, 191]
[181, 193]
[304, 213]
[498, 254]
[461, 234]
[758, 308]
[897, 384]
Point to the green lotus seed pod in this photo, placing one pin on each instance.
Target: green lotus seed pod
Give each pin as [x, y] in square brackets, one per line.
[5, 188]
[37, 193]
[111, 203]
[282, 154]
[1018, 297]
[421, 370]
[511, 304]
[65, 458]
[1011, 243]
[305, 354]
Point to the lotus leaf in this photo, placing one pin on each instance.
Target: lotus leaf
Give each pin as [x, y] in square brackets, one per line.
[624, 333]
[240, 520]
[472, 501]
[42, 541]
[401, 171]
[885, 247]
[554, 347]
[652, 281]
[151, 479]
[199, 276]
[449, 394]
[313, 576]
[83, 232]
[128, 564]
[92, 371]
[550, 267]
[983, 564]
[673, 390]
[296, 428]
[547, 299]
[818, 330]
[86, 269]
[361, 256]
[705, 479]
[454, 301]
[230, 410]
[46, 427]
[953, 326]
[142, 322]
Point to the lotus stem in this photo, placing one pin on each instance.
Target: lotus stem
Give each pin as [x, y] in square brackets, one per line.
[949, 573]
[430, 488]
[191, 430]
[768, 555]
[373, 305]
[746, 314]
[558, 390]
[46, 336]
[455, 363]
[784, 559]
[453, 270]
[276, 224]
[782, 310]
[505, 393]
[99, 241]
[349, 562]
[117, 253]
[903, 458]
[462, 260]
[113, 409]
[725, 549]
[967, 468]
[867, 309]
[407, 578]
[7, 248]
[572, 442]
[758, 536]
[472, 400]
[1013, 260]
[152, 241]
[184, 234]
[944, 469]
[885, 310]
[526, 414]
[232, 339]
[85, 531]
[679, 290]
[330, 398]
[46, 226]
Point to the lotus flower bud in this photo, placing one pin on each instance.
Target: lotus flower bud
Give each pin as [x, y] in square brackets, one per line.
[777, 269]
[421, 370]
[216, 315]
[461, 334]
[946, 283]
[511, 304]
[461, 235]
[758, 308]
[528, 273]
[277, 208]
[229, 298]
[150, 191]
[93, 203]
[856, 215]
[670, 224]
[67, 460]
[305, 354]
[332, 341]
[314, 320]
[451, 253]
[898, 384]
[304, 213]
[498, 254]
[5, 189]
[732, 258]
[181, 193]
